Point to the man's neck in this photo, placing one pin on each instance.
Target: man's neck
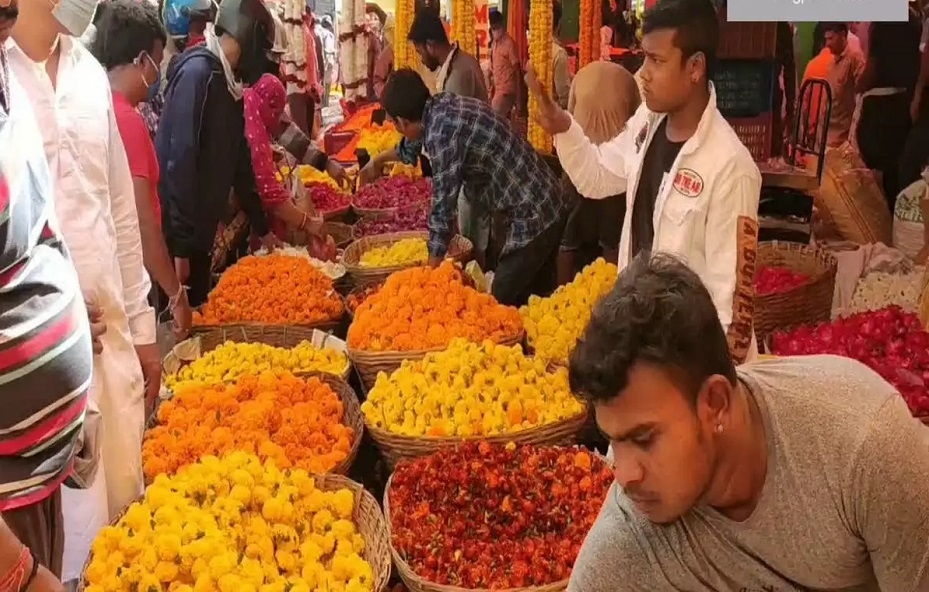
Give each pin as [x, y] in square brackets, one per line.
[443, 53]
[682, 124]
[740, 473]
[118, 84]
[36, 32]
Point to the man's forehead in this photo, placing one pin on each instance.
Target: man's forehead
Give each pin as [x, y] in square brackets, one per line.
[660, 42]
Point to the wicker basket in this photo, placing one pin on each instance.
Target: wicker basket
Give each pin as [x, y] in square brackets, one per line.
[374, 213]
[326, 326]
[286, 337]
[338, 214]
[806, 304]
[415, 583]
[368, 519]
[369, 364]
[395, 448]
[351, 414]
[459, 249]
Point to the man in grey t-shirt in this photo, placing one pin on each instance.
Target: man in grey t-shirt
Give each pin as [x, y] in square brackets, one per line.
[789, 474]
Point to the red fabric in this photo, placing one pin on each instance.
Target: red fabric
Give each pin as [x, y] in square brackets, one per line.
[195, 40]
[140, 151]
[312, 72]
[264, 105]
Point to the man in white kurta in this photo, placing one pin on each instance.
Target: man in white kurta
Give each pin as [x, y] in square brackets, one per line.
[94, 202]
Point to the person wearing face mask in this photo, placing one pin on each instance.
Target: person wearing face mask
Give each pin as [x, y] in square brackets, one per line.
[95, 205]
[200, 140]
[130, 44]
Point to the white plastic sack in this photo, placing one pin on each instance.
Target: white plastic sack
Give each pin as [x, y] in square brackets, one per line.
[908, 218]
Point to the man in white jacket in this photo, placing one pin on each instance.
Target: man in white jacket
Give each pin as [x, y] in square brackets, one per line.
[692, 187]
[94, 201]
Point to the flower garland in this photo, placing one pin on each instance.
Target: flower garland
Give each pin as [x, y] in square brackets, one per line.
[585, 34]
[540, 54]
[353, 49]
[294, 58]
[404, 54]
[463, 28]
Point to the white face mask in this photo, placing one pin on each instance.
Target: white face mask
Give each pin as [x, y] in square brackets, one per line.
[74, 15]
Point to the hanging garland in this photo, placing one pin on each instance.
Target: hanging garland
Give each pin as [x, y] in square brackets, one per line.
[585, 32]
[540, 54]
[463, 28]
[353, 49]
[404, 53]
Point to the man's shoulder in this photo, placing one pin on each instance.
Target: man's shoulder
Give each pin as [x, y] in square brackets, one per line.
[727, 150]
[613, 557]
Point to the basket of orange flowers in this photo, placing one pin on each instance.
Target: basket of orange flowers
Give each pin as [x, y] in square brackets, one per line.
[275, 289]
[420, 310]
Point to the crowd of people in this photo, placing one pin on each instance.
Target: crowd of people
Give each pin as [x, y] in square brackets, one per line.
[732, 473]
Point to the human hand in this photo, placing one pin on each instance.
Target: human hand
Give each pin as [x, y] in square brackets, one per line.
[150, 360]
[370, 172]
[97, 326]
[182, 269]
[182, 314]
[552, 118]
[914, 107]
[44, 580]
[271, 242]
[337, 172]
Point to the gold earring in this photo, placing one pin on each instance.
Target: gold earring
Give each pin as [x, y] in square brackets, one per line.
[719, 428]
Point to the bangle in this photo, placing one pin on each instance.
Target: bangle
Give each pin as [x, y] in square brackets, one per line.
[13, 580]
[173, 301]
[32, 574]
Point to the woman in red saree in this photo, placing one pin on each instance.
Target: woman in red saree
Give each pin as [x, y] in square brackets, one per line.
[264, 104]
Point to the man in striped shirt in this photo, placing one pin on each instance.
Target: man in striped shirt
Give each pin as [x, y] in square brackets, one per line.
[45, 347]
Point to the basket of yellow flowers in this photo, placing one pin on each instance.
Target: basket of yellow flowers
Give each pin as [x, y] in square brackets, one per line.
[224, 354]
[370, 259]
[236, 523]
[469, 391]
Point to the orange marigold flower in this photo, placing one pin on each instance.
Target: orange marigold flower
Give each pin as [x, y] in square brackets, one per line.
[425, 308]
[274, 289]
[297, 422]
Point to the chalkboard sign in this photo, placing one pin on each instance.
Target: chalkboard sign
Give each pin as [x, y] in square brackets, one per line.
[744, 88]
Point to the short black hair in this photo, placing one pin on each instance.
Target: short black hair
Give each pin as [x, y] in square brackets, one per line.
[405, 95]
[556, 14]
[427, 26]
[126, 29]
[835, 28]
[496, 19]
[696, 26]
[660, 313]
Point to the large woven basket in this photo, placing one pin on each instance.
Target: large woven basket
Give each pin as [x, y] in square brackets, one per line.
[459, 249]
[369, 364]
[286, 337]
[806, 304]
[417, 584]
[368, 519]
[374, 213]
[923, 303]
[351, 414]
[395, 448]
[329, 326]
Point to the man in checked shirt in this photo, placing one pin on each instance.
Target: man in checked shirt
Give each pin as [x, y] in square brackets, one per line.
[471, 147]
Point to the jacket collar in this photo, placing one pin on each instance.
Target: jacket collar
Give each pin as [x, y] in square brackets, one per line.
[704, 127]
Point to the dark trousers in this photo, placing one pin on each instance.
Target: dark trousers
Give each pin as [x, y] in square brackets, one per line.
[40, 527]
[201, 279]
[529, 270]
[882, 133]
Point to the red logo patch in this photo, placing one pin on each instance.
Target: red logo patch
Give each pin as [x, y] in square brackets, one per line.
[688, 183]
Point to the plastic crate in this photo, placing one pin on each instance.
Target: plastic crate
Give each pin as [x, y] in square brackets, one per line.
[755, 133]
[747, 41]
[744, 88]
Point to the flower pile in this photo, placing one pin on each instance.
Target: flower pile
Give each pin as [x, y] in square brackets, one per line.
[393, 192]
[554, 324]
[485, 516]
[326, 199]
[890, 341]
[355, 299]
[878, 290]
[413, 171]
[231, 360]
[407, 251]
[378, 138]
[426, 308]
[296, 422]
[273, 289]
[470, 390]
[310, 175]
[415, 217]
[778, 280]
[233, 525]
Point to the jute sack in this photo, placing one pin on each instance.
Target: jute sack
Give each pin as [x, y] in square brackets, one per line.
[850, 201]
[908, 231]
